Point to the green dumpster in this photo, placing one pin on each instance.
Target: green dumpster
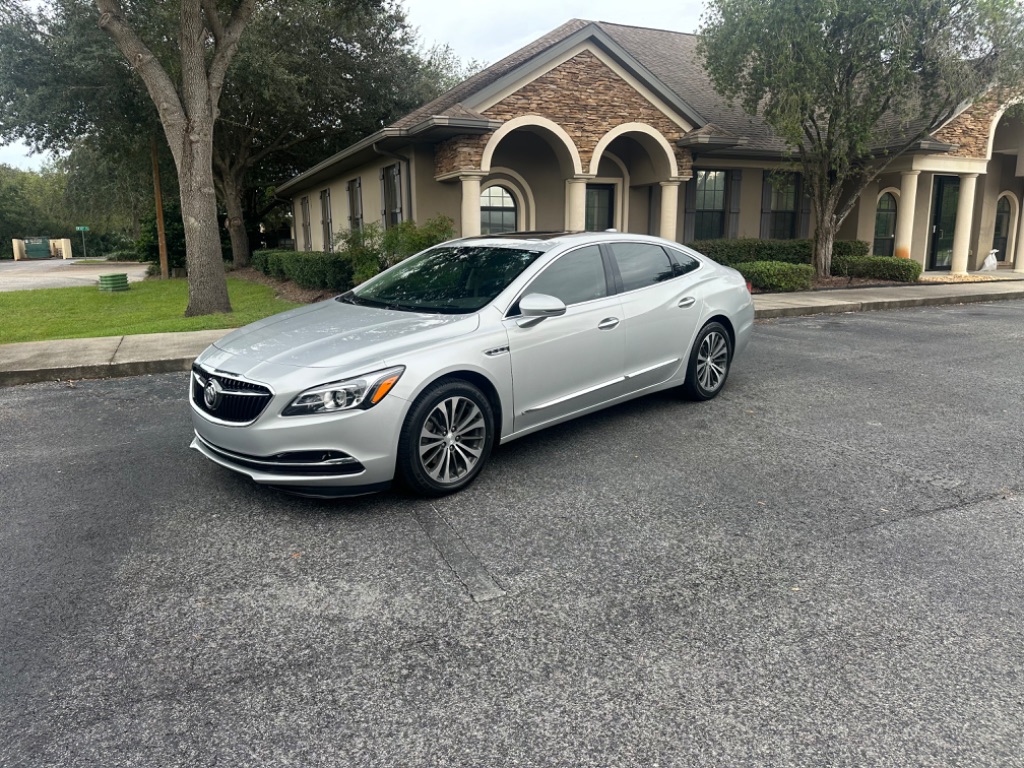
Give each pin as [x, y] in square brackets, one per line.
[37, 247]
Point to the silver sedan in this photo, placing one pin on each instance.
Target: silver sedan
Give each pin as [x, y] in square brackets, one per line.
[418, 373]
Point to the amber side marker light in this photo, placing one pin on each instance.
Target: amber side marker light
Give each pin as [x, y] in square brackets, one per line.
[384, 387]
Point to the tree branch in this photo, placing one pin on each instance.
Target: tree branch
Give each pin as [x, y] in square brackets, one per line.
[227, 45]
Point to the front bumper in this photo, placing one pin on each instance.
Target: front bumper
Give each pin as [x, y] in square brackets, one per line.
[336, 454]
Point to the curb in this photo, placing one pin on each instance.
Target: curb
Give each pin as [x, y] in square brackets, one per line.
[101, 371]
[769, 313]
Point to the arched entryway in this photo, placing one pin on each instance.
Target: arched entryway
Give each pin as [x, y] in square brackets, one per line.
[635, 182]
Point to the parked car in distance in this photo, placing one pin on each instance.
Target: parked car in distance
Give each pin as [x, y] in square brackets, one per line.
[418, 373]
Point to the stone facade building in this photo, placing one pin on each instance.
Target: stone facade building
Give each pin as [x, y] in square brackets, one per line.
[599, 125]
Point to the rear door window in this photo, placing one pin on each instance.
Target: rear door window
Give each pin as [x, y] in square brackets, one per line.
[641, 264]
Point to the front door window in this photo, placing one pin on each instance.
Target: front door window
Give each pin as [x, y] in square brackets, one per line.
[1001, 239]
[600, 207]
[947, 190]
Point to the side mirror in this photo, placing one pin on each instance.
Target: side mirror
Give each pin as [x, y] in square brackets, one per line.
[538, 306]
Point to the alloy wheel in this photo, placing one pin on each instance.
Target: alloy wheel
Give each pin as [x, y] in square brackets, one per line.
[452, 439]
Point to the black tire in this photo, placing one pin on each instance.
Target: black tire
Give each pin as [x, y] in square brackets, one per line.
[433, 458]
[709, 363]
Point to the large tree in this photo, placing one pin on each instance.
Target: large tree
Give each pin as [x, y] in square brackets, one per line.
[311, 77]
[308, 78]
[186, 91]
[850, 85]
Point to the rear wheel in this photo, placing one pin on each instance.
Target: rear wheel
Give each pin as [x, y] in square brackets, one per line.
[446, 438]
[709, 363]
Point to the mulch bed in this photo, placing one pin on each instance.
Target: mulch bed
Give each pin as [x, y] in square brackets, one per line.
[283, 289]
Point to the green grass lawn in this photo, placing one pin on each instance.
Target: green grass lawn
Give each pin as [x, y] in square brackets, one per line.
[153, 306]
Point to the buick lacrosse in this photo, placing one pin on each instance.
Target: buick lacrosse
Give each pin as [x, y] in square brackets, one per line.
[417, 374]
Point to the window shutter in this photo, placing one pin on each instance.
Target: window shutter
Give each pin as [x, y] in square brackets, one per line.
[766, 206]
[398, 191]
[732, 225]
[690, 208]
[804, 222]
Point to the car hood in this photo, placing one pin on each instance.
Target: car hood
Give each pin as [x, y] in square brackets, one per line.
[332, 334]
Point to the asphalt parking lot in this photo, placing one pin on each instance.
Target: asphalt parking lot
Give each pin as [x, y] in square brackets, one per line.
[822, 567]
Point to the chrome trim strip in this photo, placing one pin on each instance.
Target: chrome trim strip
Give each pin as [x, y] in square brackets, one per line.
[239, 392]
[642, 371]
[274, 464]
[582, 392]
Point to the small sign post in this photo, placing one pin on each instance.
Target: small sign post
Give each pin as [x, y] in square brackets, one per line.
[83, 230]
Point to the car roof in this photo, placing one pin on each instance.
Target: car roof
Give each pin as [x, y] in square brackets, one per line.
[547, 240]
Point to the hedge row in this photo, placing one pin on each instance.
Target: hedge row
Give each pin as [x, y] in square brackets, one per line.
[307, 269]
[745, 250]
[877, 268]
[778, 275]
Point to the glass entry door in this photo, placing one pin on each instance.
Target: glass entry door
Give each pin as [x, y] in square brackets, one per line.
[947, 189]
[600, 207]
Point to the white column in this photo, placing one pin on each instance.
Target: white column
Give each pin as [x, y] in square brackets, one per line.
[576, 205]
[964, 220]
[905, 214]
[470, 205]
[669, 210]
[1018, 247]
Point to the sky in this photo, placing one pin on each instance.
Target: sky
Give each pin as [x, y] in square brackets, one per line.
[488, 32]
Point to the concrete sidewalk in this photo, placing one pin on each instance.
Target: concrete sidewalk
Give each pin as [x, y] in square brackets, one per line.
[162, 352]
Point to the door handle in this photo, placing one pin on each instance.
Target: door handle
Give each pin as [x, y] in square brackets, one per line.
[688, 301]
[608, 323]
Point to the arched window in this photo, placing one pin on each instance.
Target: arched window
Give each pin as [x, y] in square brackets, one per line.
[885, 225]
[1001, 238]
[497, 211]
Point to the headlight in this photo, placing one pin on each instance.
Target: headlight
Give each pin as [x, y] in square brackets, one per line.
[359, 393]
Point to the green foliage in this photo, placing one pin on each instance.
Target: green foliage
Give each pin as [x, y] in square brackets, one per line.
[745, 250]
[778, 275]
[372, 248]
[360, 255]
[307, 269]
[876, 268]
[147, 247]
[152, 306]
[848, 86]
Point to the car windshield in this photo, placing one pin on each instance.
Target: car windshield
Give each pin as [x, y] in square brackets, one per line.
[450, 279]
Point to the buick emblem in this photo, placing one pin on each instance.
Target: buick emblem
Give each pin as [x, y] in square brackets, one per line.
[212, 394]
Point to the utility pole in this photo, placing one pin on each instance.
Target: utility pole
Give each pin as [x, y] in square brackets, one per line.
[158, 195]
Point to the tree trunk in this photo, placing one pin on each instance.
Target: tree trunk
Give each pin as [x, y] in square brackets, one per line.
[187, 114]
[207, 284]
[231, 189]
[824, 239]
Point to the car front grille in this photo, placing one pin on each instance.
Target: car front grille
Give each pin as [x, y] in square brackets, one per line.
[227, 399]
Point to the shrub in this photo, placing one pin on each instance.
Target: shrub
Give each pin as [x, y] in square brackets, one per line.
[307, 269]
[373, 249]
[748, 249]
[877, 268]
[778, 275]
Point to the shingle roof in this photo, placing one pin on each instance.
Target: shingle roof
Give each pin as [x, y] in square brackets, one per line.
[670, 56]
[444, 104]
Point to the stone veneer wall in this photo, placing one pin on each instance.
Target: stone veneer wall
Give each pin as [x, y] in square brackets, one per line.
[970, 129]
[585, 97]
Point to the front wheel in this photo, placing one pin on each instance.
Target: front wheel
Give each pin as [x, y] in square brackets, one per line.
[709, 363]
[446, 438]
